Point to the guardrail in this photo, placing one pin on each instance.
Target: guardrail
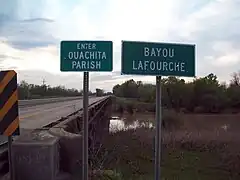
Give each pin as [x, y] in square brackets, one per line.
[69, 131]
[24, 103]
[32, 102]
[64, 120]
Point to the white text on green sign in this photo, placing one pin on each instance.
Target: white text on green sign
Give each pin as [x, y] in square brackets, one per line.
[86, 56]
[142, 58]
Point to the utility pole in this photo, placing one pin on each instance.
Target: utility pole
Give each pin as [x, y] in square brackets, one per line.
[43, 81]
[44, 87]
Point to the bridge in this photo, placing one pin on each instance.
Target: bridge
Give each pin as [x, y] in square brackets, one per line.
[50, 144]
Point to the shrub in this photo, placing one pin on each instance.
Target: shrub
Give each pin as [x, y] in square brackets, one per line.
[171, 120]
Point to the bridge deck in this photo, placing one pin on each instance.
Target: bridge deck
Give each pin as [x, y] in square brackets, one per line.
[32, 117]
[41, 115]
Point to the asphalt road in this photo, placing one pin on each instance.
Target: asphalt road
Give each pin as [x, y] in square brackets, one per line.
[31, 102]
[37, 116]
[40, 115]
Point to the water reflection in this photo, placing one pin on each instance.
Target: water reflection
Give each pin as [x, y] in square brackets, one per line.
[123, 124]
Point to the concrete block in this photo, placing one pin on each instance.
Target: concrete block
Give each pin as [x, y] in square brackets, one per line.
[36, 157]
[70, 150]
[5, 177]
[60, 176]
[63, 176]
[71, 154]
[4, 167]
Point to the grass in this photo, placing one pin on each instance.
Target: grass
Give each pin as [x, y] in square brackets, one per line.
[189, 165]
[198, 156]
[131, 153]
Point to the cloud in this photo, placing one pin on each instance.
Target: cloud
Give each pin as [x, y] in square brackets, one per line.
[38, 19]
[22, 35]
[26, 25]
[30, 33]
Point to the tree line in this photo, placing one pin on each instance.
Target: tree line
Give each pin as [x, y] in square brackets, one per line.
[33, 91]
[204, 94]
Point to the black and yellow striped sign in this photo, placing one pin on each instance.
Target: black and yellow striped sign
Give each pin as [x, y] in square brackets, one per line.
[9, 119]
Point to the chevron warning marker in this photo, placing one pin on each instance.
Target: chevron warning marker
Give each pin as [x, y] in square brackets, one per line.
[9, 117]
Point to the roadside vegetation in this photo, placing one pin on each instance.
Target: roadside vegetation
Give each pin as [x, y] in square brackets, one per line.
[200, 136]
[33, 91]
[202, 95]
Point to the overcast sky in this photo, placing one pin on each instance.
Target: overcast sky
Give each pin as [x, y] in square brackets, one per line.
[31, 31]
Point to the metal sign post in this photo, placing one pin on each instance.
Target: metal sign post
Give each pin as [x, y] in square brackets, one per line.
[158, 129]
[10, 158]
[85, 125]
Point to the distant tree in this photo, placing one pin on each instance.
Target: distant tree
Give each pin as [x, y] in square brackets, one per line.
[32, 91]
[204, 93]
[99, 92]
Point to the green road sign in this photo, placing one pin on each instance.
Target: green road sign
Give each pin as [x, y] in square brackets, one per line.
[158, 59]
[86, 56]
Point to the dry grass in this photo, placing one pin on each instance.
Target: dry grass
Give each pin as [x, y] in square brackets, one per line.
[204, 147]
[194, 146]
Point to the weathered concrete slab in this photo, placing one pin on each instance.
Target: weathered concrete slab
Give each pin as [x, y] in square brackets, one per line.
[4, 167]
[36, 156]
[3, 139]
[63, 176]
[5, 177]
[60, 176]
[71, 150]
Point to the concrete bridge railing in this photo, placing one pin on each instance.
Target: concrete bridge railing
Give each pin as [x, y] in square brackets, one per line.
[70, 134]
[56, 152]
[34, 102]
